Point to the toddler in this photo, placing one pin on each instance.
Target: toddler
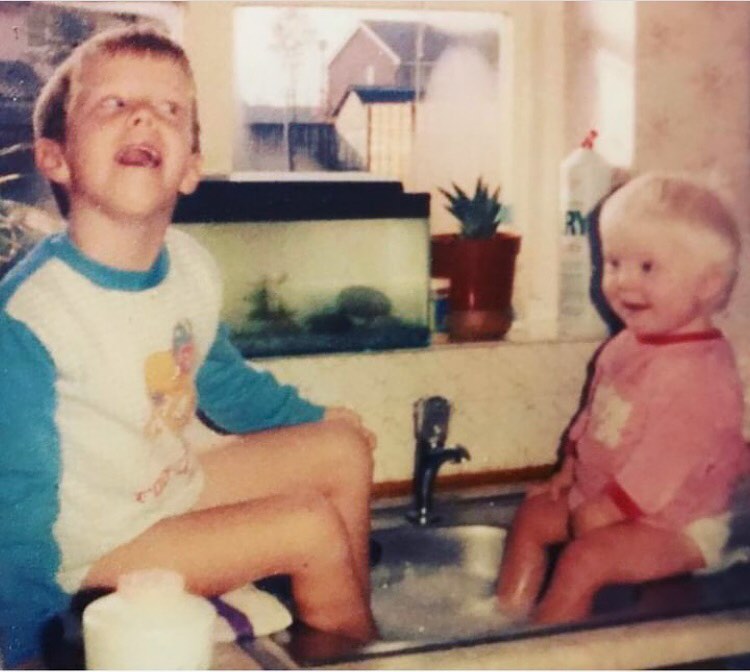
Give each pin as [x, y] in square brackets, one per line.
[111, 347]
[653, 456]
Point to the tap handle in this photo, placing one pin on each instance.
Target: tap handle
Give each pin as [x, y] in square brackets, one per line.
[431, 418]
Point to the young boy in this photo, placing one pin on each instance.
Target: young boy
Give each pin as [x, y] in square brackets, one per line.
[110, 345]
[652, 458]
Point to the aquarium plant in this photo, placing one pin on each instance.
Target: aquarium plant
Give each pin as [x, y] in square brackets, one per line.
[268, 310]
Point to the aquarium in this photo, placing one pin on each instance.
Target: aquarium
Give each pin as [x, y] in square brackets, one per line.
[316, 267]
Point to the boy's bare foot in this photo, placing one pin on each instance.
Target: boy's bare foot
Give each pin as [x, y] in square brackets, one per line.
[362, 634]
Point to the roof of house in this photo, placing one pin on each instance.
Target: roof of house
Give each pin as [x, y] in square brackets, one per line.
[384, 94]
[401, 39]
[370, 95]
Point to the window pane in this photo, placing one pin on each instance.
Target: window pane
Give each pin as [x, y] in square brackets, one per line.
[406, 95]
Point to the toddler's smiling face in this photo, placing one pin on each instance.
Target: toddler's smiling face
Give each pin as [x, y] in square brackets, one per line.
[653, 278]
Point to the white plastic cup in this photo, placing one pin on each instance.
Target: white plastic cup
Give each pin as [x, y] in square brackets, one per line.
[149, 623]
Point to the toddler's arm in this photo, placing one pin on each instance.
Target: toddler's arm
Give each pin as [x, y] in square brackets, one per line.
[557, 483]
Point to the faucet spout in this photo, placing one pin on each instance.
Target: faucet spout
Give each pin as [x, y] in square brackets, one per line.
[426, 467]
[456, 455]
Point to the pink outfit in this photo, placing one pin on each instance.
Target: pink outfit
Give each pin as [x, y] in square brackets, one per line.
[661, 430]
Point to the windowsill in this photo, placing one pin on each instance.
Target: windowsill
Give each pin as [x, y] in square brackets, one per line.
[518, 335]
[440, 343]
[307, 176]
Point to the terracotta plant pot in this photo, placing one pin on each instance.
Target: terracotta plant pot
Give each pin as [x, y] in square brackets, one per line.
[481, 272]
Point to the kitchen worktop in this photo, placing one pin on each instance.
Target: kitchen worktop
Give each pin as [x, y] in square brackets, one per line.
[645, 645]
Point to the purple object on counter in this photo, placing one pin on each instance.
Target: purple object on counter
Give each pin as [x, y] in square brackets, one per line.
[237, 620]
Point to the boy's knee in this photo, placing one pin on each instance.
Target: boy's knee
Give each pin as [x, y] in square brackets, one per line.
[318, 522]
[348, 449]
[319, 526]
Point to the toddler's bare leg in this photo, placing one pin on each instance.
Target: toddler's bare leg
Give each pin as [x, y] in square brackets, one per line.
[539, 521]
[224, 547]
[330, 457]
[623, 553]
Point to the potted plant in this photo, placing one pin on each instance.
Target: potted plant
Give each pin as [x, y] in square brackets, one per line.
[480, 263]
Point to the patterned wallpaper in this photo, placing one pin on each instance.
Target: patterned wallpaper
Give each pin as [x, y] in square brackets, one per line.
[694, 111]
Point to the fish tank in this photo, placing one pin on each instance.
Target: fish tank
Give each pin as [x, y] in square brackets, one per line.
[316, 267]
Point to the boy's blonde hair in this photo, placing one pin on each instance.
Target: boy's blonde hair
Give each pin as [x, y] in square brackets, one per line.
[666, 199]
[51, 109]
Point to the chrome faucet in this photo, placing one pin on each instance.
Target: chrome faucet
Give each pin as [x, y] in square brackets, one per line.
[431, 419]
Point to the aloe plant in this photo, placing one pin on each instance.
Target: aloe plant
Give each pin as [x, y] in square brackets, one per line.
[480, 214]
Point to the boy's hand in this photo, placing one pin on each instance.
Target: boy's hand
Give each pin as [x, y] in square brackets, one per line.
[342, 414]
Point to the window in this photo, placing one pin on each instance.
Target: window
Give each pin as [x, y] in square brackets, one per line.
[409, 95]
[501, 118]
[514, 137]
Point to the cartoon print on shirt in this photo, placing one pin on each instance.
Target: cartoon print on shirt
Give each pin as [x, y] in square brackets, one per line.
[609, 415]
[171, 388]
[170, 385]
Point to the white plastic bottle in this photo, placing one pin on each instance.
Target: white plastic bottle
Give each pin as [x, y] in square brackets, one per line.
[585, 178]
[149, 623]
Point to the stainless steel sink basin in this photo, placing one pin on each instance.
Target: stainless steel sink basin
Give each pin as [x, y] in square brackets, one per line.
[433, 589]
[437, 582]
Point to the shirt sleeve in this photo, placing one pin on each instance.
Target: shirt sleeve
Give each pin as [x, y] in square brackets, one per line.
[238, 398]
[690, 414]
[29, 479]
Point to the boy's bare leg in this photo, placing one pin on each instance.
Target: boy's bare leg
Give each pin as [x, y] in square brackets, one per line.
[221, 548]
[539, 521]
[330, 457]
[623, 553]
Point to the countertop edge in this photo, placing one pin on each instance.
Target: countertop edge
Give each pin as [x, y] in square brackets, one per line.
[636, 646]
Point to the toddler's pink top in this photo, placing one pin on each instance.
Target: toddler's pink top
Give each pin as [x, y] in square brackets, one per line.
[661, 431]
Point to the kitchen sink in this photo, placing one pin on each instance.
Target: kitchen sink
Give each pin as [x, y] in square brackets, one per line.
[433, 588]
[436, 581]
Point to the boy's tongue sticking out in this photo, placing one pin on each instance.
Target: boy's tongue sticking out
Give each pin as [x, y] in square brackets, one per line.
[141, 156]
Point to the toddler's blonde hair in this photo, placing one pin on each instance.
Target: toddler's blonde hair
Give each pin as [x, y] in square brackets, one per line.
[671, 199]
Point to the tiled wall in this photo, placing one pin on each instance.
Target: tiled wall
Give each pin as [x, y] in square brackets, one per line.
[511, 401]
